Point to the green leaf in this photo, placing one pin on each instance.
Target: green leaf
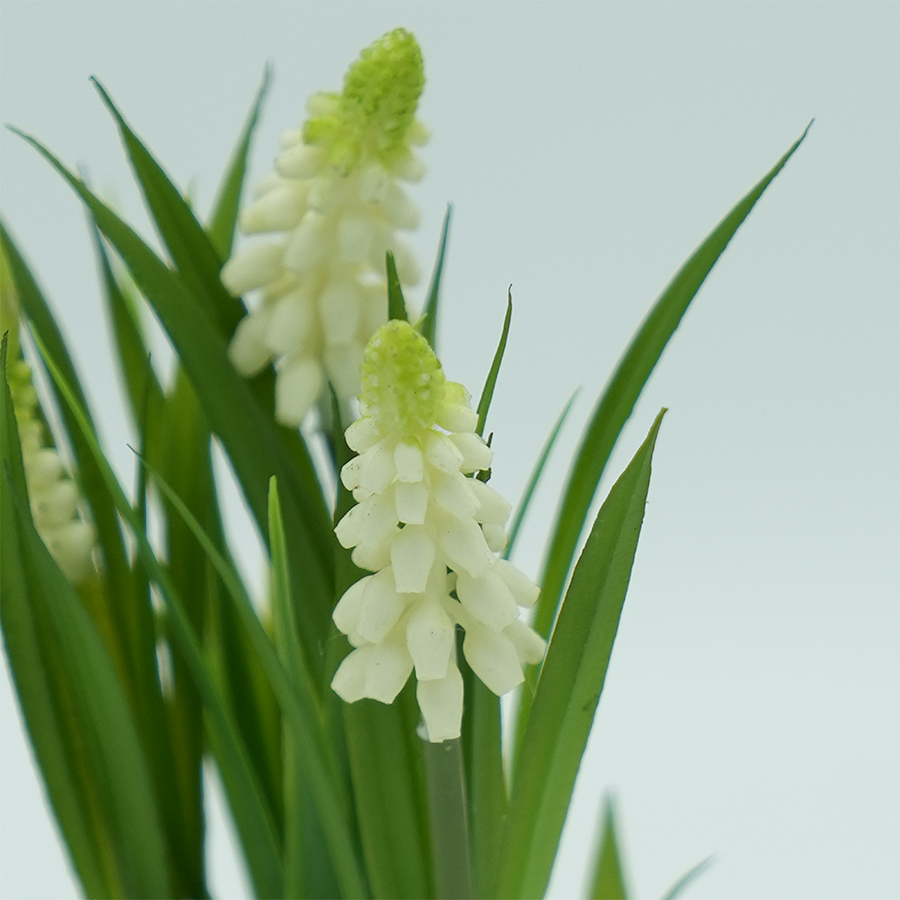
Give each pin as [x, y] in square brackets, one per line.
[122, 613]
[396, 303]
[608, 882]
[571, 683]
[253, 817]
[56, 747]
[490, 383]
[535, 477]
[88, 702]
[485, 780]
[621, 393]
[691, 875]
[195, 258]
[428, 327]
[296, 693]
[256, 447]
[225, 210]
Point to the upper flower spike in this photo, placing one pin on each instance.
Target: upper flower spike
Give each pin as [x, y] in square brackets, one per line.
[429, 533]
[333, 206]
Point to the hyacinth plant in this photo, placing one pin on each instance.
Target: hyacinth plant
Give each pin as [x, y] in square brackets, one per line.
[352, 713]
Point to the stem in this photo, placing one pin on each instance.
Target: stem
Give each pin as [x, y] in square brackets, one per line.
[447, 813]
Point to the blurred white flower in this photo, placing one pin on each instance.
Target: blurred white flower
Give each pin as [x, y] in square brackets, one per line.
[332, 209]
[429, 534]
[53, 495]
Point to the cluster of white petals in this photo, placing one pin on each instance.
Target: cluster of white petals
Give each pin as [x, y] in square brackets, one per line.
[53, 495]
[430, 535]
[328, 214]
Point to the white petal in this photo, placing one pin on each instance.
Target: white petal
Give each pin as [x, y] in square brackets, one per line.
[441, 452]
[412, 555]
[362, 434]
[346, 613]
[408, 461]
[43, 467]
[441, 703]
[495, 537]
[277, 210]
[376, 467]
[296, 388]
[300, 161]
[493, 659]
[463, 544]
[306, 244]
[375, 557]
[388, 670]
[339, 311]
[399, 210]
[431, 640]
[71, 544]
[520, 585]
[342, 365]
[528, 644]
[252, 267]
[455, 494]
[412, 502]
[373, 306]
[350, 473]
[492, 508]
[408, 167]
[380, 607]
[55, 504]
[373, 520]
[292, 324]
[456, 417]
[488, 599]
[476, 454]
[355, 235]
[248, 351]
[349, 682]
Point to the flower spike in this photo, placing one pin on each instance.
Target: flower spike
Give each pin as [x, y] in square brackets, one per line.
[331, 210]
[53, 495]
[430, 536]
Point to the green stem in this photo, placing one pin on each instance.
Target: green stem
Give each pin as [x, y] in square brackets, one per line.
[447, 813]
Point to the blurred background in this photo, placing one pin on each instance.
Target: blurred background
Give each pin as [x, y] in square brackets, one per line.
[752, 706]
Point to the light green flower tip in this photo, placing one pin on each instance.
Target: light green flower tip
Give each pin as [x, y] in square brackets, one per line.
[403, 384]
[378, 103]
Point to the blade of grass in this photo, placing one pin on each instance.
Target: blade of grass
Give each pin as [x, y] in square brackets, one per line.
[571, 683]
[222, 222]
[608, 882]
[490, 383]
[254, 445]
[190, 248]
[428, 326]
[396, 303]
[535, 477]
[618, 399]
[690, 876]
[252, 815]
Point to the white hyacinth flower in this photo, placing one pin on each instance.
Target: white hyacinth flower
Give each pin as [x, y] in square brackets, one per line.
[331, 210]
[53, 495]
[429, 534]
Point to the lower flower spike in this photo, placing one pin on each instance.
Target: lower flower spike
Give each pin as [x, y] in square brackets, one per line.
[429, 533]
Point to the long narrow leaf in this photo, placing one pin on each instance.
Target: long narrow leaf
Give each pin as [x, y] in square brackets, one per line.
[254, 445]
[692, 874]
[190, 248]
[571, 683]
[432, 301]
[253, 817]
[608, 882]
[225, 210]
[487, 392]
[618, 399]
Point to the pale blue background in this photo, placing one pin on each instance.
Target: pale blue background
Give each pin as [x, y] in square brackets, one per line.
[751, 708]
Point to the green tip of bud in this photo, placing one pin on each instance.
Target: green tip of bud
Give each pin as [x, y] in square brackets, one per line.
[403, 384]
[378, 103]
